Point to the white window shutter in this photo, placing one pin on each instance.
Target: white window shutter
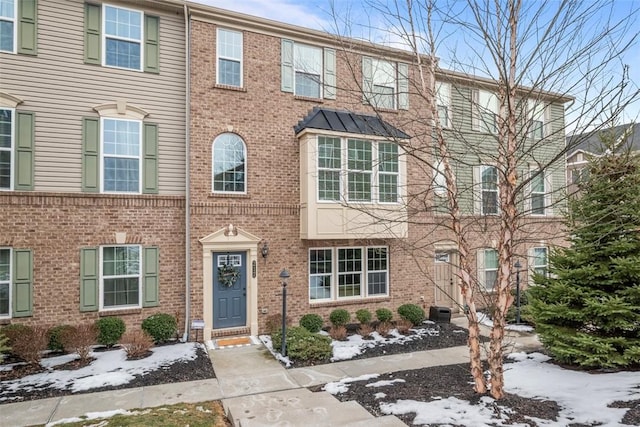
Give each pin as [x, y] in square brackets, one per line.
[330, 74]
[548, 192]
[480, 268]
[477, 190]
[287, 66]
[403, 86]
[367, 79]
[475, 114]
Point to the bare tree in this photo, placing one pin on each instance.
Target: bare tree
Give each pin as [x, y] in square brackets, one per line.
[536, 57]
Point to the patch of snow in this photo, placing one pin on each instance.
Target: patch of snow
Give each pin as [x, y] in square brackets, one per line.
[519, 328]
[380, 395]
[385, 383]
[92, 416]
[266, 340]
[50, 362]
[342, 386]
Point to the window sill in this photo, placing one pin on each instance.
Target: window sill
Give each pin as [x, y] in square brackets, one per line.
[308, 99]
[231, 88]
[119, 312]
[354, 301]
[229, 195]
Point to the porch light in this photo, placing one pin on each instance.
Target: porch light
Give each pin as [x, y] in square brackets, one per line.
[265, 249]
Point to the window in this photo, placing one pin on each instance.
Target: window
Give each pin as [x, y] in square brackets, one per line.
[356, 272]
[485, 111]
[5, 282]
[366, 180]
[121, 152]
[539, 261]
[385, 84]
[229, 164]
[538, 193]
[488, 198]
[6, 148]
[439, 179]
[308, 71]
[307, 62]
[8, 13]
[537, 112]
[229, 50]
[489, 271]
[443, 100]
[579, 176]
[121, 267]
[122, 37]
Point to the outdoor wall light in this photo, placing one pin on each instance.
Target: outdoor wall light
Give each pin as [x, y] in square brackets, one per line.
[265, 249]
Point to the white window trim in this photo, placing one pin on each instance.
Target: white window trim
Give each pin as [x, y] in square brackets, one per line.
[547, 182]
[537, 111]
[104, 37]
[11, 149]
[374, 66]
[374, 173]
[10, 282]
[139, 156]
[480, 191]
[320, 74]
[364, 272]
[244, 145]
[485, 269]
[218, 56]
[443, 98]
[532, 262]
[102, 277]
[338, 170]
[14, 20]
[479, 111]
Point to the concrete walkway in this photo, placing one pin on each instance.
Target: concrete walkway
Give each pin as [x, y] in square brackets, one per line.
[255, 389]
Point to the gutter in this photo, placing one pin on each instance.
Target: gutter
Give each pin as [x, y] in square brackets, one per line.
[187, 169]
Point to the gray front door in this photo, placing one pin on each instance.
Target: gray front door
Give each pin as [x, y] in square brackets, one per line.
[229, 289]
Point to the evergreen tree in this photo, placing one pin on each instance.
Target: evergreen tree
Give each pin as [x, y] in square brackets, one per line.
[587, 312]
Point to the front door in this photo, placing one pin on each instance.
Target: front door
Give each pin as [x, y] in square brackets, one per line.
[229, 289]
[445, 275]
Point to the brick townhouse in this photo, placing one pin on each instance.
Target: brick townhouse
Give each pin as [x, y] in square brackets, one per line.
[154, 163]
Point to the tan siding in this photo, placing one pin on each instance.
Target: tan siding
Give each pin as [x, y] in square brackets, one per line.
[61, 89]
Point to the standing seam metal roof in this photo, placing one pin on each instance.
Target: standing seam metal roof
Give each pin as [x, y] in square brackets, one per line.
[348, 122]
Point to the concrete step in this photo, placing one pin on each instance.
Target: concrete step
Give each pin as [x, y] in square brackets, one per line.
[341, 414]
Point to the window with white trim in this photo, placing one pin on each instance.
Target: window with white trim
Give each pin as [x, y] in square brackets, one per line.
[485, 112]
[8, 25]
[443, 101]
[540, 261]
[536, 111]
[5, 282]
[538, 192]
[120, 283]
[489, 271]
[371, 170]
[307, 65]
[6, 148]
[489, 190]
[229, 163]
[121, 154]
[439, 179]
[351, 272]
[384, 85]
[229, 52]
[122, 41]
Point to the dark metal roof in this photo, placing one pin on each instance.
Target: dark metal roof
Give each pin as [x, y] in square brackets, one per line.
[591, 142]
[348, 122]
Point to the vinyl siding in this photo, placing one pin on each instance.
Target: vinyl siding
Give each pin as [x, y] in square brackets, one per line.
[61, 89]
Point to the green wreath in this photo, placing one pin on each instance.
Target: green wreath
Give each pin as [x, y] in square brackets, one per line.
[228, 275]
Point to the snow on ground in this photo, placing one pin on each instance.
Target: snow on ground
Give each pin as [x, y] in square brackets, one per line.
[582, 397]
[342, 386]
[110, 368]
[484, 319]
[95, 415]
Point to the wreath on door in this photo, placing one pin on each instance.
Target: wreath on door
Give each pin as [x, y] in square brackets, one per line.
[228, 275]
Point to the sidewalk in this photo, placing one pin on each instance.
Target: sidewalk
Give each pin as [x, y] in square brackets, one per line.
[255, 389]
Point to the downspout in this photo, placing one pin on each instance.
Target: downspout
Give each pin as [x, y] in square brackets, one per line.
[187, 202]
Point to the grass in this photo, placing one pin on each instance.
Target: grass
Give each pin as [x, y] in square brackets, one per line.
[205, 414]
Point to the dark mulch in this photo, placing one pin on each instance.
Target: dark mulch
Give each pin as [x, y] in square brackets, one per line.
[192, 370]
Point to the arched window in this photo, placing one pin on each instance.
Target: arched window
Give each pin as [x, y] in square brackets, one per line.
[229, 154]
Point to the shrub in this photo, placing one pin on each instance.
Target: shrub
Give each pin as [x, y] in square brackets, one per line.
[403, 326]
[274, 323]
[136, 344]
[4, 346]
[55, 337]
[384, 315]
[110, 330]
[311, 322]
[339, 317]
[162, 327]
[14, 330]
[383, 328]
[303, 345]
[338, 333]
[411, 312]
[365, 330]
[364, 316]
[79, 339]
[29, 343]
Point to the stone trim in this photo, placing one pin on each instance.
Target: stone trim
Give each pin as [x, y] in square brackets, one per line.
[358, 301]
[98, 200]
[264, 209]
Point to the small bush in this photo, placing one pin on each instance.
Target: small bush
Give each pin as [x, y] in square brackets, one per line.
[4, 346]
[365, 330]
[110, 330]
[403, 326]
[136, 344]
[79, 339]
[384, 315]
[339, 317]
[162, 327]
[303, 345]
[55, 337]
[274, 323]
[29, 344]
[338, 333]
[14, 330]
[364, 316]
[311, 322]
[383, 328]
[411, 312]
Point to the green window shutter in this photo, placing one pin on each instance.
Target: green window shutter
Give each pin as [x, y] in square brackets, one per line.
[90, 155]
[150, 167]
[92, 34]
[24, 150]
[89, 279]
[403, 86]
[480, 268]
[330, 74]
[150, 267]
[22, 283]
[287, 66]
[28, 27]
[367, 79]
[151, 44]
